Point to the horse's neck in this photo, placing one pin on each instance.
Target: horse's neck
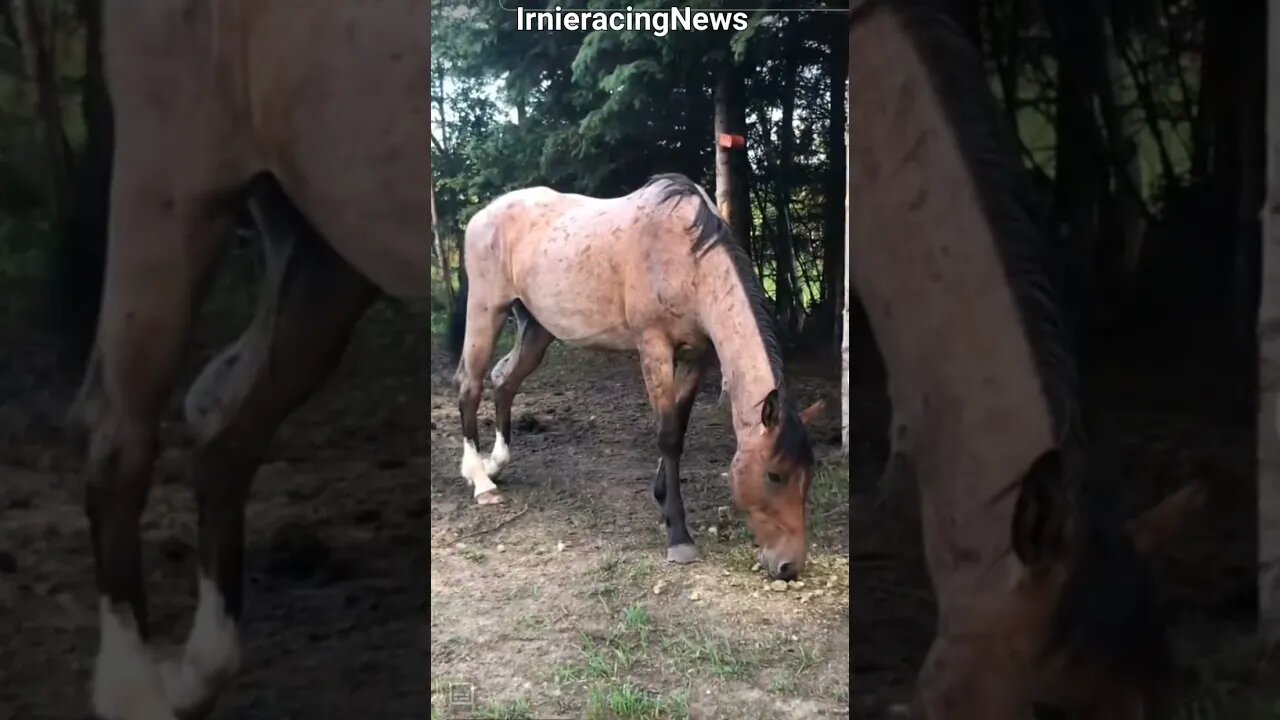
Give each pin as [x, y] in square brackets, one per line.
[727, 318]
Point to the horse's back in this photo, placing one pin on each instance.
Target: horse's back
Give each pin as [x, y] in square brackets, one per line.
[326, 96]
[587, 268]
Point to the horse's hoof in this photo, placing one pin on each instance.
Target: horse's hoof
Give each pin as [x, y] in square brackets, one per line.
[682, 554]
[493, 497]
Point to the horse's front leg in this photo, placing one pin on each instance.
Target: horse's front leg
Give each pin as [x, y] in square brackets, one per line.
[672, 399]
[159, 250]
[311, 300]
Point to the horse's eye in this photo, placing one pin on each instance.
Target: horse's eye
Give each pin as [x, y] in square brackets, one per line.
[776, 479]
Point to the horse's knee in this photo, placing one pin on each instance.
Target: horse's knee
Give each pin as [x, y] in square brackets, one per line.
[470, 390]
[503, 395]
[119, 454]
[670, 438]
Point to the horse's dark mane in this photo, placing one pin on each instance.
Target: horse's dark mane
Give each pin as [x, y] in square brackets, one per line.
[1108, 607]
[1032, 262]
[711, 232]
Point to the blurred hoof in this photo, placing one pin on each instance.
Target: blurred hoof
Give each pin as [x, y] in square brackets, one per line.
[682, 554]
[493, 497]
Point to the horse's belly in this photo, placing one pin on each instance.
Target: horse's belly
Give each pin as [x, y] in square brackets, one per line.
[579, 321]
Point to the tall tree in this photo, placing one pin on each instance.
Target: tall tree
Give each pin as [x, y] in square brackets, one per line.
[844, 314]
[40, 62]
[787, 292]
[1269, 358]
[442, 253]
[80, 258]
[732, 191]
[835, 189]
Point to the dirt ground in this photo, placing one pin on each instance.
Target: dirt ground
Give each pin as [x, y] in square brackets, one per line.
[336, 597]
[547, 607]
[562, 604]
[552, 614]
[1167, 415]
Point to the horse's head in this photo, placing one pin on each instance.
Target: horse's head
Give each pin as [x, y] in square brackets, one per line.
[770, 477]
[1077, 625]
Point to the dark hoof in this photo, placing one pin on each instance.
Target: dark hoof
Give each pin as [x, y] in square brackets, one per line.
[682, 554]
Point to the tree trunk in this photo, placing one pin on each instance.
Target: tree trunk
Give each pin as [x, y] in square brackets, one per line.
[835, 222]
[732, 194]
[844, 312]
[43, 74]
[82, 253]
[1215, 77]
[789, 304]
[442, 252]
[1126, 163]
[1075, 130]
[1006, 46]
[1269, 360]
[1251, 77]
[967, 14]
[1143, 93]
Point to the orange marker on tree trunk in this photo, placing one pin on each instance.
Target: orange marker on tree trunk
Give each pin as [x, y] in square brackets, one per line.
[732, 142]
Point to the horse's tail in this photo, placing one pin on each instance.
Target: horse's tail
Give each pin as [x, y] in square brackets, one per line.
[710, 226]
[457, 330]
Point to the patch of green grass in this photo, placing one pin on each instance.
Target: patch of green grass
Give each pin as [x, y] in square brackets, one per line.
[715, 656]
[518, 710]
[530, 624]
[627, 702]
[784, 685]
[806, 659]
[829, 498]
[619, 651]
[636, 620]
[615, 577]
[638, 572]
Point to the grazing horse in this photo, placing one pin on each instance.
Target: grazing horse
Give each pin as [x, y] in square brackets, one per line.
[656, 271]
[1044, 595]
[324, 104]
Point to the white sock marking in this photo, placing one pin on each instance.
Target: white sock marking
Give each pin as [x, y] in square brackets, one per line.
[210, 657]
[126, 684]
[498, 458]
[473, 470]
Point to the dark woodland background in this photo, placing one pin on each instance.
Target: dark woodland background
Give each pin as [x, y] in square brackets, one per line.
[1142, 120]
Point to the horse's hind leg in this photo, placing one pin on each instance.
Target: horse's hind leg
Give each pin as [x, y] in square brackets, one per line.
[532, 341]
[160, 247]
[311, 299]
[485, 311]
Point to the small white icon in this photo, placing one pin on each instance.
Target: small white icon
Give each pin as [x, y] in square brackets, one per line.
[462, 694]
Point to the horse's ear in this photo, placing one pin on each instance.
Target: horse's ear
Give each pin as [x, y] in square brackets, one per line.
[1154, 529]
[1040, 526]
[771, 410]
[808, 414]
